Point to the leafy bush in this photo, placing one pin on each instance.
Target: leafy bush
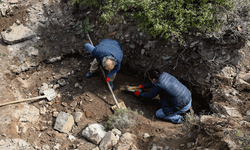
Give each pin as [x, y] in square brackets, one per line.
[122, 119]
[84, 27]
[190, 122]
[36, 46]
[165, 18]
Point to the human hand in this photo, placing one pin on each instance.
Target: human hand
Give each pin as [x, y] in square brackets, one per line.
[137, 93]
[108, 79]
[140, 86]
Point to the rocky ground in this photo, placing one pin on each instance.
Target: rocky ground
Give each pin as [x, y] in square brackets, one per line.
[40, 51]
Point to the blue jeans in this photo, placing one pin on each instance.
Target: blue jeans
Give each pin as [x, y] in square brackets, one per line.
[89, 47]
[174, 117]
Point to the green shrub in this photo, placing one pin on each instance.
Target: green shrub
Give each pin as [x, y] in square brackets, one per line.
[165, 18]
[84, 27]
[5, 55]
[36, 46]
[122, 119]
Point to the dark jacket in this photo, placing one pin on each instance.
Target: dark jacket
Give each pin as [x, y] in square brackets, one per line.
[170, 90]
[111, 48]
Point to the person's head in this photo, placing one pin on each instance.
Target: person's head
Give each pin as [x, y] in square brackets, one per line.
[154, 75]
[108, 63]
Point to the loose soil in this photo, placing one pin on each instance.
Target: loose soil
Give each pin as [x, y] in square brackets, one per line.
[62, 41]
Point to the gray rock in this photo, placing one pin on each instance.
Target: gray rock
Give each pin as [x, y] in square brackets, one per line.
[13, 1]
[145, 135]
[43, 110]
[204, 118]
[126, 141]
[229, 72]
[194, 43]
[233, 112]
[3, 9]
[155, 147]
[62, 82]
[242, 85]
[132, 46]
[54, 59]
[64, 122]
[28, 113]
[248, 113]
[77, 116]
[116, 132]
[32, 51]
[17, 34]
[45, 147]
[245, 77]
[94, 133]
[57, 146]
[14, 144]
[108, 141]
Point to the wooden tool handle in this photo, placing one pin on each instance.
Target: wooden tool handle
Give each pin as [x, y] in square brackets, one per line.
[110, 88]
[105, 78]
[90, 40]
[38, 97]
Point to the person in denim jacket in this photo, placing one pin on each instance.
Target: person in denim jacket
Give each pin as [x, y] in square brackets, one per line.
[107, 53]
[175, 98]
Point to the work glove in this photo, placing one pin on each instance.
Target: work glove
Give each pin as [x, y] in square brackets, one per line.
[140, 86]
[108, 79]
[137, 93]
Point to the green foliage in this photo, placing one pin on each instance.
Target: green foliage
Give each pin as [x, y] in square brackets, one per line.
[239, 133]
[122, 119]
[27, 139]
[84, 27]
[190, 118]
[36, 46]
[165, 18]
[4, 55]
[89, 2]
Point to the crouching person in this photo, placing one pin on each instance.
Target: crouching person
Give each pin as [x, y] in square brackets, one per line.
[175, 98]
[108, 53]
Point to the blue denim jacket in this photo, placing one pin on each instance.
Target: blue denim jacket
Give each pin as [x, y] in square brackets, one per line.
[171, 91]
[111, 48]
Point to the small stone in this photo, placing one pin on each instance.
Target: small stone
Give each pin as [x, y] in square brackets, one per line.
[41, 102]
[43, 128]
[88, 114]
[55, 114]
[49, 122]
[71, 137]
[76, 84]
[64, 104]
[145, 135]
[73, 104]
[57, 146]
[2, 142]
[43, 110]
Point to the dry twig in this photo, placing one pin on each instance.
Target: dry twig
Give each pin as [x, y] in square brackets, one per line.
[178, 59]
